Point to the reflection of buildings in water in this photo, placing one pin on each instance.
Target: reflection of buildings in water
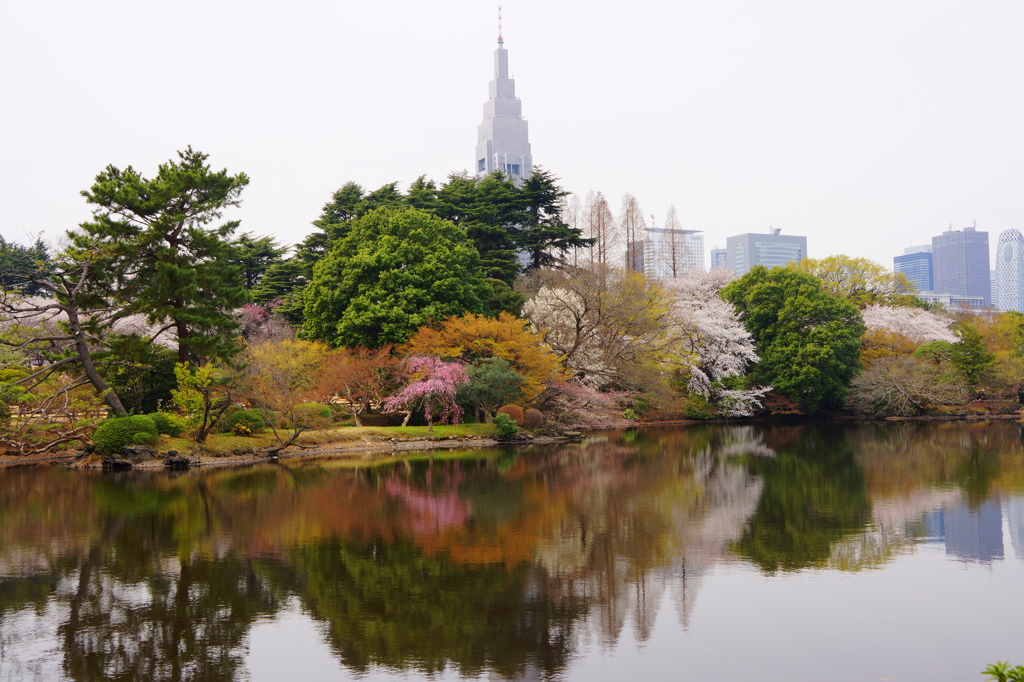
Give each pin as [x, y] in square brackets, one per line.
[931, 515]
[1015, 520]
[896, 526]
[969, 534]
[625, 561]
[897, 512]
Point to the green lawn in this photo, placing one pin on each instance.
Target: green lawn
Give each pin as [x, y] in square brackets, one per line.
[223, 442]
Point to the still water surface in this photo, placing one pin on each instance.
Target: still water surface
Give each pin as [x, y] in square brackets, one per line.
[823, 552]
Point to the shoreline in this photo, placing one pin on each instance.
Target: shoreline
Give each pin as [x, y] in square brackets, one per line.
[341, 450]
[393, 449]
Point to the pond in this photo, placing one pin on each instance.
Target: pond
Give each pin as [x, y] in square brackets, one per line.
[810, 552]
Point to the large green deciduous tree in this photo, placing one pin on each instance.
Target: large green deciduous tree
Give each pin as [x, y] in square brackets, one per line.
[159, 255]
[395, 270]
[808, 341]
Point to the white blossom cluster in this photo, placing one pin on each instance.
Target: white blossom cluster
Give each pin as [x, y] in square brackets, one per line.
[721, 345]
[916, 324]
[565, 316]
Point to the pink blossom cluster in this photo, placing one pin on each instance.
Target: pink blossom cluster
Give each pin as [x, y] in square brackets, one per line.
[433, 384]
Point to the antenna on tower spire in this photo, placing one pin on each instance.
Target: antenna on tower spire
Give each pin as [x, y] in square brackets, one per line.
[500, 40]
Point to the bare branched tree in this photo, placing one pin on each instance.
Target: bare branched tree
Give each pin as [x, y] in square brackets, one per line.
[599, 225]
[631, 222]
[903, 386]
[675, 237]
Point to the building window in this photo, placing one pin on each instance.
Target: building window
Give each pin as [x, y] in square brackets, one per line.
[481, 165]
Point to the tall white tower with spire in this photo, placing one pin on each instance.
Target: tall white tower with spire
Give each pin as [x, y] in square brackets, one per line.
[502, 141]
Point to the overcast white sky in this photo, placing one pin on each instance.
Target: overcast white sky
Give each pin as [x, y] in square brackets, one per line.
[866, 126]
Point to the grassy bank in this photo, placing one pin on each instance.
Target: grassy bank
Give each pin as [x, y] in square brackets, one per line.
[227, 443]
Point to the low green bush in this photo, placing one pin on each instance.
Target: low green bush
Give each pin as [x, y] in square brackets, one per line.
[167, 423]
[144, 438]
[113, 435]
[251, 419]
[506, 425]
[697, 407]
[311, 410]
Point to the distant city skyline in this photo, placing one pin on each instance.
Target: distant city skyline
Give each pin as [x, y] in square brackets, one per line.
[867, 128]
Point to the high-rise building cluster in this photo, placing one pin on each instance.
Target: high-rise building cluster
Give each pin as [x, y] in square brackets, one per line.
[954, 269]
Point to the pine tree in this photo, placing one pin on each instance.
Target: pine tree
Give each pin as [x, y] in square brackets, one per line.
[158, 256]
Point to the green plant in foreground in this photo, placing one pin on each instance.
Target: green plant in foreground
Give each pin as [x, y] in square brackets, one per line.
[1002, 672]
[506, 425]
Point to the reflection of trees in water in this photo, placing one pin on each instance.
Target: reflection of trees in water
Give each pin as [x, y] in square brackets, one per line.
[388, 604]
[899, 458]
[497, 565]
[122, 606]
[626, 541]
[813, 496]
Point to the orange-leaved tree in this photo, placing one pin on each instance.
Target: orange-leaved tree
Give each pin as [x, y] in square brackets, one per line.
[475, 337]
[363, 377]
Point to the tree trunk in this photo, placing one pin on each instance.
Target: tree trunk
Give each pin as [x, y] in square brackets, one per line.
[88, 367]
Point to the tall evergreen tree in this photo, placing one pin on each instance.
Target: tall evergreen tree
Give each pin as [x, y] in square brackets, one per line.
[545, 236]
[255, 256]
[159, 256]
[18, 263]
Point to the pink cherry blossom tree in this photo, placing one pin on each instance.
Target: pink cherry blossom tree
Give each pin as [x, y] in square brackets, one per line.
[432, 386]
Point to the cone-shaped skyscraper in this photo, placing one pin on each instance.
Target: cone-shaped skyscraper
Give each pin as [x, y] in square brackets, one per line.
[502, 140]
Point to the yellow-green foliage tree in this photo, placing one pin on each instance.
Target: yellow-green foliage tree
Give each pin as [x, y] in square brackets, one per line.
[281, 378]
[859, 280]
[202, 396]
[1003, 336]
[474, 337]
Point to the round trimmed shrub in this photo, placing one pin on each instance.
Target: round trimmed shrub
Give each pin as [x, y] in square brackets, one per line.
[513, 411]
[167, 423]
[114, 434]
[532, 418]
[251, 419]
